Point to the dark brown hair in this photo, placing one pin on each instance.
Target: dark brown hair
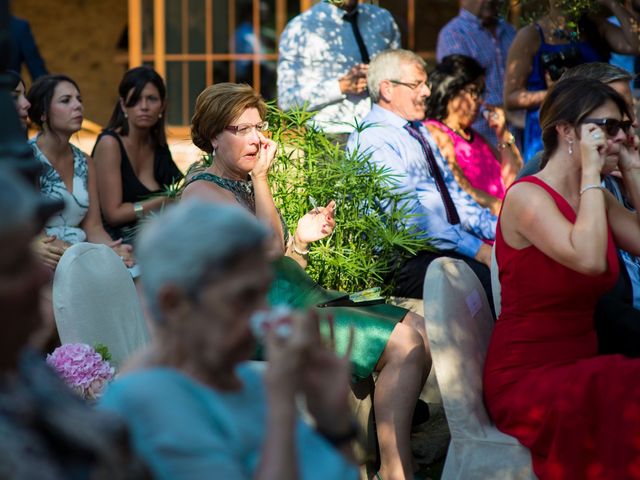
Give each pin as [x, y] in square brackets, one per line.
[570, 101]
[134, 81]
[40, 96]
[448, 79]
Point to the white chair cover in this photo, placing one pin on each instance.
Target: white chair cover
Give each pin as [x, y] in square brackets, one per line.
[95, 301]
[459, 325]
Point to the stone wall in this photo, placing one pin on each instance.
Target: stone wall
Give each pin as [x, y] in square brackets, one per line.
[79, 38]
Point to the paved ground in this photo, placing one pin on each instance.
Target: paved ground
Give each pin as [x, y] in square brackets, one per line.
[429, 443]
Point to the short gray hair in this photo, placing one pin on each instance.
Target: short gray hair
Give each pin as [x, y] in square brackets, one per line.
[386, 66]
[603, 72]
[182, 245]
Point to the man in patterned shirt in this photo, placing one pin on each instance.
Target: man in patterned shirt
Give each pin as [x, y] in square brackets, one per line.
[479, 32]
[323, 60]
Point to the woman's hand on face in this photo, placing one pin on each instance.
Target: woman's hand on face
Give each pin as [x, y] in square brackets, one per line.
[316, 224]
[593, 145]
[266, 153]
[124, 251]
[629, 156]
[50, 249]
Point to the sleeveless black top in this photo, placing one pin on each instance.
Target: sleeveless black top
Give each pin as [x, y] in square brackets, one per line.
[165, 172]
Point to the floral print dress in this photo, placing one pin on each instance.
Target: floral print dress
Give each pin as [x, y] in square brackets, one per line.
[65, 225]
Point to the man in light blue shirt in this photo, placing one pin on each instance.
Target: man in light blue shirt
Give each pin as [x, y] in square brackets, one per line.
[398, 87]
[322, 63]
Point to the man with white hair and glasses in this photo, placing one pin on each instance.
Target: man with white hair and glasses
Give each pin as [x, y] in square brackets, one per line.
[452, 222]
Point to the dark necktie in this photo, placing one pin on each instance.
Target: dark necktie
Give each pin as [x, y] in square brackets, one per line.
[352, 18]
[434, 169]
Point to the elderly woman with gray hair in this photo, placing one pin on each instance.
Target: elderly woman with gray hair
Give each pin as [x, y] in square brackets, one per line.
[196, 408]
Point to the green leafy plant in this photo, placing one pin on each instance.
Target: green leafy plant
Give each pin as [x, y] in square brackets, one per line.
[311, 168]
[532, 10]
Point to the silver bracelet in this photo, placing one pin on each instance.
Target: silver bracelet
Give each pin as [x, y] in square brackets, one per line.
[138, 209]
[589, 187]
[297, 250]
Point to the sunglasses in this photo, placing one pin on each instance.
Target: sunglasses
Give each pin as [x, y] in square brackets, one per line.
[611, 126]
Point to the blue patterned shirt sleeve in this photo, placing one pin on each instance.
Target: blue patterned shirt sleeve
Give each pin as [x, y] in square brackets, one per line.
[317, 48]
[389, 145]
[465, 35]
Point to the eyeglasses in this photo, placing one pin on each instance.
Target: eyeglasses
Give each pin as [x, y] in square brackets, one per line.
[245, 129]
[611, 126]
[412, 85]
[474, 91]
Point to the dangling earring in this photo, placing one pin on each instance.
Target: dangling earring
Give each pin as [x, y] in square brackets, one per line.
[213, 151]
[126, 115]
[160, 115]
[570, 147]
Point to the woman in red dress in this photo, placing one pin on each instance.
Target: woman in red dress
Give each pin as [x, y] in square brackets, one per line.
[545, 384]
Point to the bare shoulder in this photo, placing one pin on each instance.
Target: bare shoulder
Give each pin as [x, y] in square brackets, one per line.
[439, 134]
[526, 39]
[527, 192]
[107, 149]
[435, 129]
[528, 203]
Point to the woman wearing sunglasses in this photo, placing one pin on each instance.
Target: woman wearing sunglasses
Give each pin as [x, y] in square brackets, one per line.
[457, 91]
[556, 240]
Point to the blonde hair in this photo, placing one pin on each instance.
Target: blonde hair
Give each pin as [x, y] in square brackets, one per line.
[217, 106]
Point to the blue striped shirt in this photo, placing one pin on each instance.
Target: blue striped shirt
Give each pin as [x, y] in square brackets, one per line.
[465, 35]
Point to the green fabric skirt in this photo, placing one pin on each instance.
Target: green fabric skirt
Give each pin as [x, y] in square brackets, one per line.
[373, 324]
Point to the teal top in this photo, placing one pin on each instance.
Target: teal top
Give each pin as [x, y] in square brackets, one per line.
[187, 431]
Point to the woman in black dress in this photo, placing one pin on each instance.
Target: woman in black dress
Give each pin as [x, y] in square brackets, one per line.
[133, 160]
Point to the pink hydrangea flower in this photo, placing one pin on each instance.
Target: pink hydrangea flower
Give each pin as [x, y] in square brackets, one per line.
[82, 369]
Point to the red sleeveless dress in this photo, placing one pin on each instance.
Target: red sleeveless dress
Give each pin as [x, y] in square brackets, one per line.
[544, 382]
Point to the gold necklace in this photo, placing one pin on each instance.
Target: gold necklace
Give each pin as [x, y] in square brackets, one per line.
[461, 133]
